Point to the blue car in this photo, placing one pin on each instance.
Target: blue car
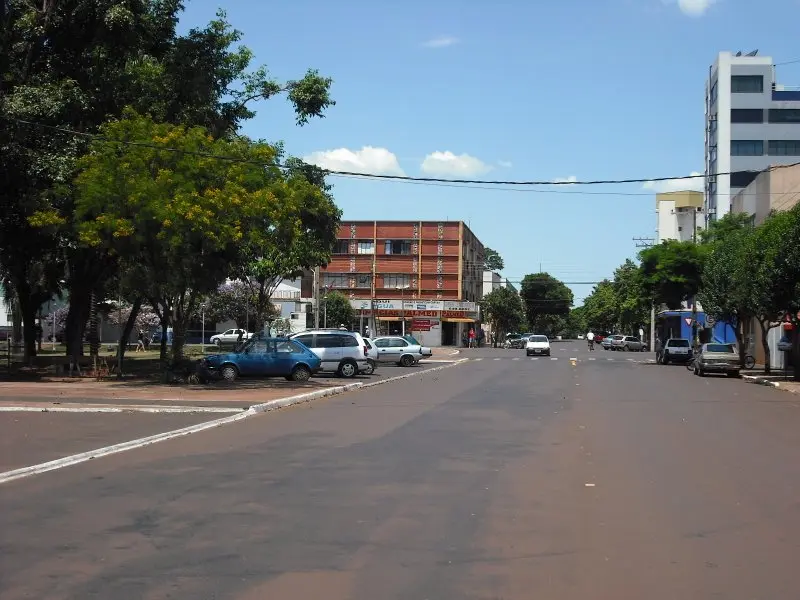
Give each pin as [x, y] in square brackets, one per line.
[263, 357]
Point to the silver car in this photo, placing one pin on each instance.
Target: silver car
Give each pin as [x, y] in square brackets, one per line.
[626, 343]
[393, 348]
[717, 358]
[343, 352]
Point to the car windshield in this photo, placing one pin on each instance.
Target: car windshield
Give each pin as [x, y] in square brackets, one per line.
[538, 338]
[679, 343]
[728, 348]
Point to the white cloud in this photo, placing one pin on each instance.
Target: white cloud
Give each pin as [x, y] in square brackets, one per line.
[566, 180]
[449, 164]
[369, 161]
[695, 8]
[443, 41]
[694, 184]
[506, 164]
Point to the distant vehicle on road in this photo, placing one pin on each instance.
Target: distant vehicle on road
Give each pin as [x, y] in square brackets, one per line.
[608, 341]
[627, 343]
[676, 350]
[717, 358]
[537, 344]
[230, 337]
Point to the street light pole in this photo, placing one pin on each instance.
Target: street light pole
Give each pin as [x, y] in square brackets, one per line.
[203, 334]
[325, 300]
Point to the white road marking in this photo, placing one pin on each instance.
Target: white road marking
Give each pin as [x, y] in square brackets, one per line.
[588, 484]
[516, 358]
[553, 358]
[117, 408]
[592, 359]
[498, 359]
[75, 459]
[534, 358]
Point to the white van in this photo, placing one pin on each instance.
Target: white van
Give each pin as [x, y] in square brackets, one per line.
[341, 352]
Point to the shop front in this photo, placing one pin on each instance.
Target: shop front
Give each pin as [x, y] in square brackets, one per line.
[431, 322]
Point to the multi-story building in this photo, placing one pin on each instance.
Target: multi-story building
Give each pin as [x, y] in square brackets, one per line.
[423, 277]
[752, 122]
[680, 215]
[771, 191]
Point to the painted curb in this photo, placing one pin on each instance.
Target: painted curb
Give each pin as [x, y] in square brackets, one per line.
[121, 409]
[75, 459]
[761, 381]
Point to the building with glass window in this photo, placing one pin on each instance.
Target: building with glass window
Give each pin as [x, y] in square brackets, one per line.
[752, 122]
[420, 277]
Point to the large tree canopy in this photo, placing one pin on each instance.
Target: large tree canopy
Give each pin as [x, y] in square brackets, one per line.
[544, 297]
[671, 272]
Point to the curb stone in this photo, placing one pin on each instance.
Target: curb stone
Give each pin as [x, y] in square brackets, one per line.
[75, 459]
[762, 381]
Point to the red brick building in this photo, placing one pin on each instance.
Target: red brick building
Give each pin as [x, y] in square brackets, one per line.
[396, 265]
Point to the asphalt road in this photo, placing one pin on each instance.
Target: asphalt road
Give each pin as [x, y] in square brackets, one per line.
[496, 479]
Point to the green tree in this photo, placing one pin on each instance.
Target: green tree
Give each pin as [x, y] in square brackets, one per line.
[600, 308]
[577, 322]
[724, 292]
[236, 302]
[492, 261]
[178, 218]
[671, 272]
[502, 309]
[632, 308]
[544, 297]
[337, 309]
[782, 233]
[76, 64]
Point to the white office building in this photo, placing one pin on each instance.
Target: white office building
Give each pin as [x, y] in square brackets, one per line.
[679, 215]
[752, 122]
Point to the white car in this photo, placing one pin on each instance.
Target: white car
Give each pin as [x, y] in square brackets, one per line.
[538, 344]
[231, 336]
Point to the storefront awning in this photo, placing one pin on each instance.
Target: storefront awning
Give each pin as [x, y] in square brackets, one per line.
[458, 320]
[391, 319]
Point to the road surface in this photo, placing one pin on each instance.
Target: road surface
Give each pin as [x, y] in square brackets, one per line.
[504, 479]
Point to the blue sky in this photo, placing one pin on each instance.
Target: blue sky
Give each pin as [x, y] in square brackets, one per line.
[508, 90]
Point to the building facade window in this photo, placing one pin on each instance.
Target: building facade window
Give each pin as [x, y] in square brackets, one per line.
[747, 115]
[341, 247]
[363, 281]
[784, 115]
[397, 247]
[366, 247]
[747, 147]
[742, 178]
[784, 148]
[747, 84]
[336, 280]
[396, 281]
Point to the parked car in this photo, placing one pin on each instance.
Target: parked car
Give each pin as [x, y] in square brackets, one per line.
[341, 352]
[537, 344]
[608, 341]
[400, 350]
[676, 350]
[372, 357]
[627, 343]
[717, 358]
[229, 337]
[514, 340]
[264, 357]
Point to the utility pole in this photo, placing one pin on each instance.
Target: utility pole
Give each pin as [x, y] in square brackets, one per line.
[648, 243]
[315, 296]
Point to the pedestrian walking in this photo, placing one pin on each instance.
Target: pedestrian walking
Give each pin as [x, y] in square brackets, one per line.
[658, 347]
[471, 337]
[140, 342]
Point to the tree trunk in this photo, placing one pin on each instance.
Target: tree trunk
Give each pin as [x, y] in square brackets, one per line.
[28, 310]
[164, 327]
[796, 349]
[739, 332]
[765, 329]
[77, 316]
[16, 322]
[178, 338]
[126, 334]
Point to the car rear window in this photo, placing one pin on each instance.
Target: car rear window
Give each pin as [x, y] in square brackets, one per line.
[538, 338]
[679, 343]
[720, 348]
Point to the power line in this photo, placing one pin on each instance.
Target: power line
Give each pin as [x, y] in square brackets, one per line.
[386, 177]
[787, 62]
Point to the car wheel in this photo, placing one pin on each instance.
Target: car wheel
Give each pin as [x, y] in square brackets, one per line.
[370, 368]
[229, 373]
[348, 369]
[301, 373]
[527, 354]
[217, 343]
[406, 361]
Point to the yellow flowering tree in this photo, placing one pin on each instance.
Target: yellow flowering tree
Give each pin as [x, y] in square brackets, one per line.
[175, 204]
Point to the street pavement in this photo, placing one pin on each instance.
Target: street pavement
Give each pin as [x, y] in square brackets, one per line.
[491, 479]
